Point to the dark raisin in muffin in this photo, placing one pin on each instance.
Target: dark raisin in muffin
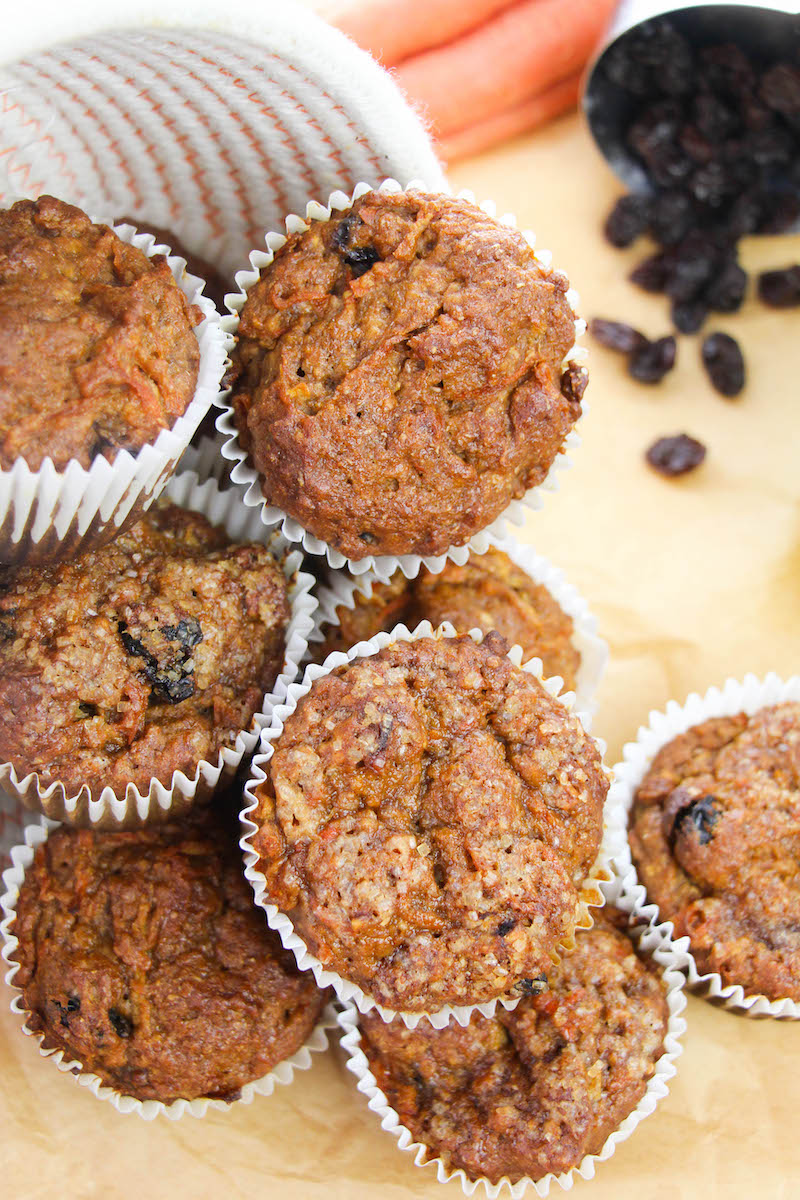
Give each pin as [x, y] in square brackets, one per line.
[142, 956]
[536, 1089]
[715, 836]
[141, 658]
[399, 374]
[428, 817]
[488, 592]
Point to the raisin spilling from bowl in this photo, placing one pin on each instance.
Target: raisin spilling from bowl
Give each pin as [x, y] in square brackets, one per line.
[724, 363]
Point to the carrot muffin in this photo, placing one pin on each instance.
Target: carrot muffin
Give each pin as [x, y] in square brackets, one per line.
[398, 377]
[428, 816]
[141, 658]
[534, 1090]
[488, 592]
[142, 956]
[715, 836]
[97, 349]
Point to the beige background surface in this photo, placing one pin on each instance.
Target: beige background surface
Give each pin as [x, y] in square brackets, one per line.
[691, 581]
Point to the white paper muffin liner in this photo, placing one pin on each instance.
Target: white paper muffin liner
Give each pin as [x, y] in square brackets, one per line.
[47, 515]
[343, 587]
[133, 808]
[590, 894]
[654, 940]
[21, 858]
[748, 696]
[244, 473]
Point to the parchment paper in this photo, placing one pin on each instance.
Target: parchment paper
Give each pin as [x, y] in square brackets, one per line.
[691, 581]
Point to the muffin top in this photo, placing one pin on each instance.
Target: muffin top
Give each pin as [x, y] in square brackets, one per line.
[398, 377]
[140, 658]
[534, 1090]
[142, 956]
[715, 835]
[428, 816]
[488, 592]
[97, 349]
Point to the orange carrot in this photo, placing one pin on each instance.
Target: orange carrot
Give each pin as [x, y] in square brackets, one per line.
[515, 56]
[391, 30]
[548, 104]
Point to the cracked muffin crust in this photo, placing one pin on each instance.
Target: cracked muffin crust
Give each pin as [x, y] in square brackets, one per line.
[536, 1089]
[715, 836]
[428, 817]
[488, 592]
[141, 658]
[97, 349]
[398, 376]
[142, 956]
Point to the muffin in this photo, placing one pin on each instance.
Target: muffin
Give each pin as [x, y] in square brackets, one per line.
[97, 349]
[715, 837]
[141, 658]
[399, 374]
[142, 956]
[532, 1091]
[428, 817]
[488, 592]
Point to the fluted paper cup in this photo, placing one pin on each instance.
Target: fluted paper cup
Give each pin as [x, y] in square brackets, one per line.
[589, 895]
[748, 695]
[49, 515]
[110, 810]
[343, 588]
[652, 939]
[283, 1073]
[244, 473]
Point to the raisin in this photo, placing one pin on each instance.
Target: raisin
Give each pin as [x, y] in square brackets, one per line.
[369, 538]
[671, 167]
[627, 220]
[695, 143]
[616, 335]
[780, 88]
[532, 987]
[689, 315]
[655, 131]
[745, 213]
[506, 926]
[676, 455]
[358, 258]
[122, 1025]
[725, 293]
[188, 632]
[653, 57]
[573, 383]
[700, 813]
[711, 184]
[726, 70]
[713, 118]
[651, 362]
[172, 680]
[7, 633]
[693, 265]
[670, 217]
[652, 273]
[138, 649]
[779, 213]
[73, 1005]
[724, 363]
[780, 289]
[769, 147]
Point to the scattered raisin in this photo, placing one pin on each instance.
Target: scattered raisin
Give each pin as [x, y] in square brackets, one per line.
[505, 926]
[726, 291]
[358, 258]
[700, 813]
[676, 455]
[651, 362]
[652, 273]
[780, 88]
[627, 220]
[688, 315]
[670, 217]
[780, 289]
[616, 335]
[722, 359]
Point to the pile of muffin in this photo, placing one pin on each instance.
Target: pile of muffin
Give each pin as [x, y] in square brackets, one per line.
[422, 820]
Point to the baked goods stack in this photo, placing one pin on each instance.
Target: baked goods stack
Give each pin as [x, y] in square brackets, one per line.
[422, 814]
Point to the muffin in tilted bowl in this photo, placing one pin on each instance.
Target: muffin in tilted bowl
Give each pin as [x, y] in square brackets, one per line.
[404, 372]
[422, 824]
[138, 675]
[110, 357]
